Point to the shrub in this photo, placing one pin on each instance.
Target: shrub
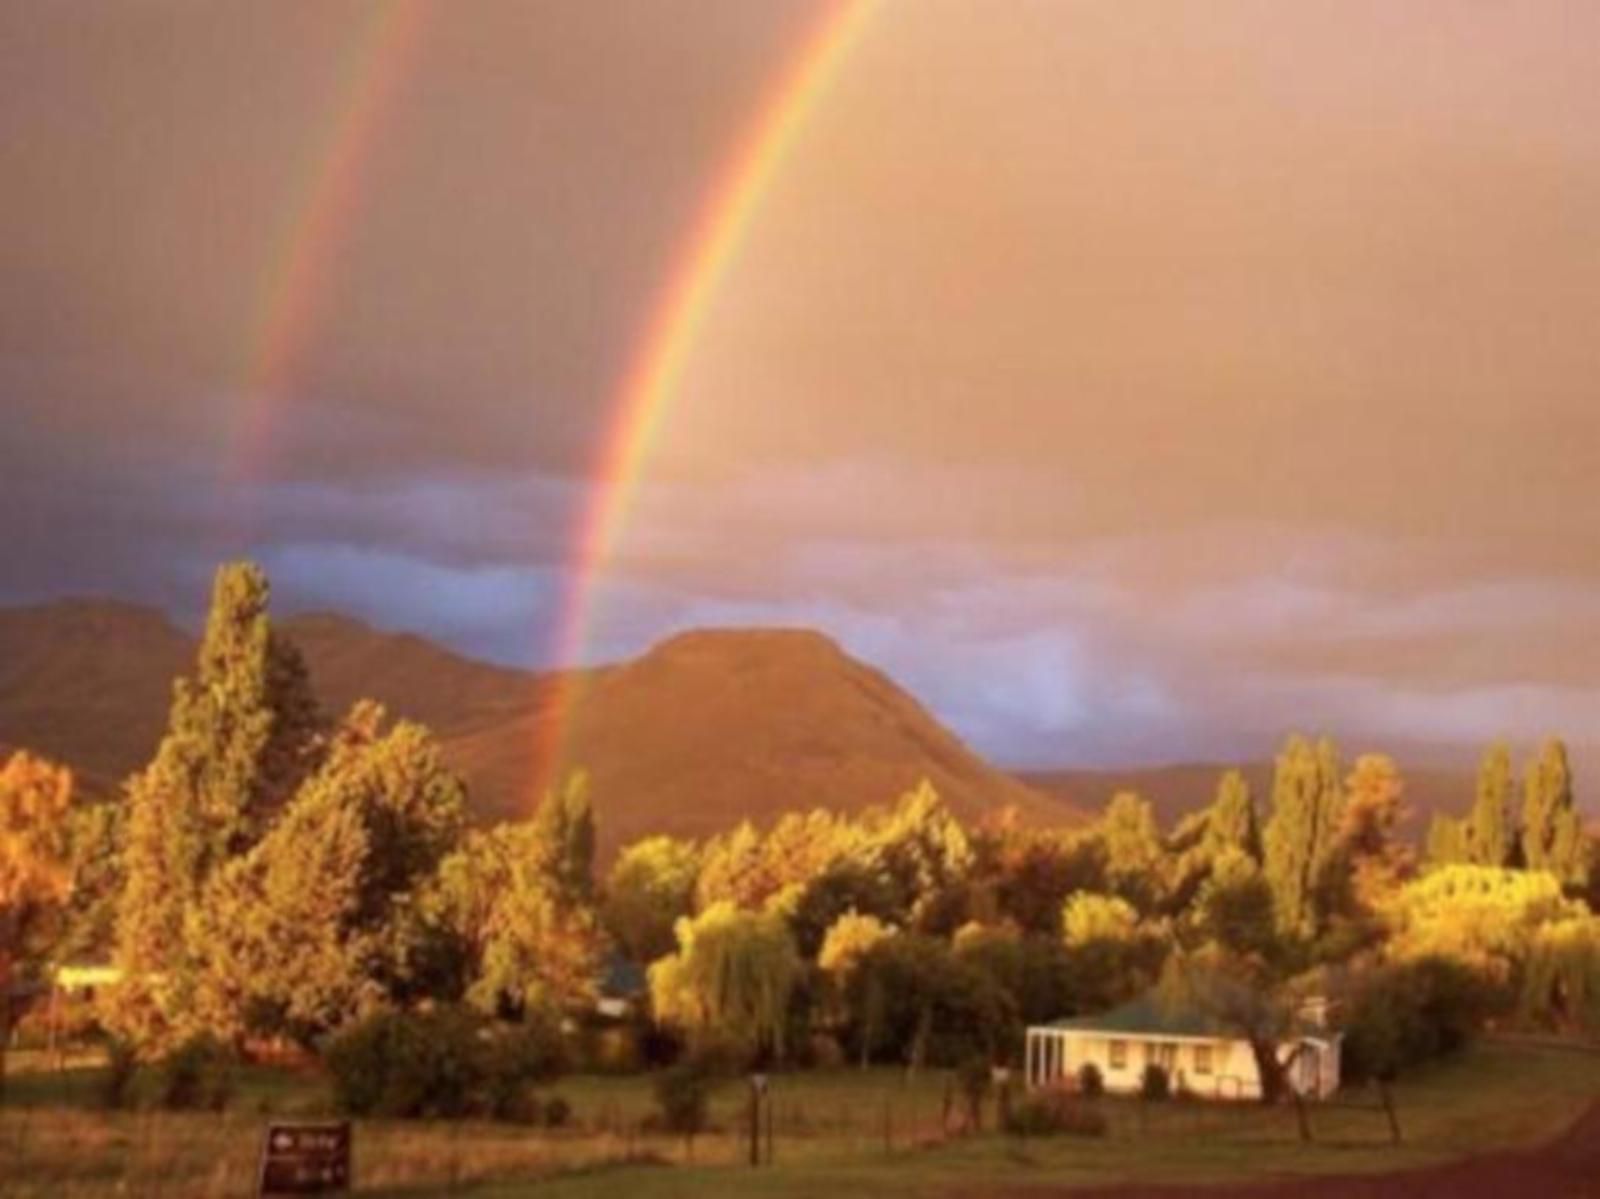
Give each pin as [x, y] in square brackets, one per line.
[557, 1112]
[447, 1061]
[1155, 1085]
[682, 1094]
[1090, 1081]
[1409, 1012]
[515, 1059]
[1055, 1113]
[197, 1075]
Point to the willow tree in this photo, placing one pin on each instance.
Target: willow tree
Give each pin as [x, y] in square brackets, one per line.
[732, 977]
[35, 875]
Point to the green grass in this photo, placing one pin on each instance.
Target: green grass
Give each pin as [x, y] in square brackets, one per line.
[830, 1137]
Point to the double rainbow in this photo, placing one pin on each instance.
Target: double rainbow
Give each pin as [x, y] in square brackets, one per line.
[291, 300]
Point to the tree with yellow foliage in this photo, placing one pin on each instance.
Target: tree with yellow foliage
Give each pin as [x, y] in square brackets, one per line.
[35, 877]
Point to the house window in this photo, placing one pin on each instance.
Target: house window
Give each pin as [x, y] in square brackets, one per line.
[1119, 1055]
[1202, 1059]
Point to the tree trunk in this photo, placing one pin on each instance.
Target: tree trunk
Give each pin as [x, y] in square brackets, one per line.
[1271, 1071]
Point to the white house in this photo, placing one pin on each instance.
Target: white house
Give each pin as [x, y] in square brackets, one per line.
[1199, 1055]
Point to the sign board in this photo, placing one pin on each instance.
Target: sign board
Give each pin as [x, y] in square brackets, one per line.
[305, 1159]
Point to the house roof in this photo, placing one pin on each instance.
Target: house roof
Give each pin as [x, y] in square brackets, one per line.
[1151, 1015]
[1156, 1015]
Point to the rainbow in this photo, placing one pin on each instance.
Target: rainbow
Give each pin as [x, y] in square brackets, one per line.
[295, 286]
[651, 380]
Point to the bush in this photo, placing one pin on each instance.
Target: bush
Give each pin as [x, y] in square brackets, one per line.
[197, 1075]
[1091, 1082]
[1155, 1085]
[408, 1064]
[446, 1062]
[682, 1095]
[515, 1059]
[1408, 1013]
[1055, 1113]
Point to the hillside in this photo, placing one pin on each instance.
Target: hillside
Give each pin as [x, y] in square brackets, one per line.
[88, 682]
[705, 729]
[713, 726]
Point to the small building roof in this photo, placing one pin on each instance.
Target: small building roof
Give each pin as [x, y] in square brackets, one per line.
[1150, 1015]
[1156, 1015]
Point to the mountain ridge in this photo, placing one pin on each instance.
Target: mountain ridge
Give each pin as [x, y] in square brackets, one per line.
[704, 729]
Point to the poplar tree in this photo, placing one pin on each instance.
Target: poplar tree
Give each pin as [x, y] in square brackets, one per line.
[1552, 830]
[1491, 829]
[1300, 842]
[1232, 822]
[244, 731]
[563, 835]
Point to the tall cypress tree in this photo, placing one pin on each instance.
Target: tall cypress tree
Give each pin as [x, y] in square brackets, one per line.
[1552, 831]
[243, 732]
[1491, 839]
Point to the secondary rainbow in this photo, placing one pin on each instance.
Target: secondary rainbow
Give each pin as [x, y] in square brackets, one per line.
[297, 281]
[709, 248]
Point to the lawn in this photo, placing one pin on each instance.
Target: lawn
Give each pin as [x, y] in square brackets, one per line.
[835, 1133]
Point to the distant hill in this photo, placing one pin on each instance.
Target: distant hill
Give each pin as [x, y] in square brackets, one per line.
[713, 726]
[1174, 791]
[705, 729]
[89, 682]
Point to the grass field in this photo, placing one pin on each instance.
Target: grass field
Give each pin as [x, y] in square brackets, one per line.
[835, 1133]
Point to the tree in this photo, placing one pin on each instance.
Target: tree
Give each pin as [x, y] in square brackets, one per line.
[732, 977]
[650, 888]
[921, 851]
[1134, 856]
[243, 733]
[1447, 841]
[518, 943]
[912, 998]
[1491, 829]
[276, 938]
[1112, 953]
[1226, 829]
[1300, 841]
[1552, 830]
[848, 942]
[317, 923]
[1367, 836]
[1242, 994]
[35, 797]
[564, 840]
[1234, 907]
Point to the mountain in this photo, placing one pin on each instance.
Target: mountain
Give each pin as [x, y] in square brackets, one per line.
[89, 682]
[713, 726]
[703, 730]
[1174, 791]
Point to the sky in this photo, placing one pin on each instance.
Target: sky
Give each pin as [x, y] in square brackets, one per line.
[1134, 381]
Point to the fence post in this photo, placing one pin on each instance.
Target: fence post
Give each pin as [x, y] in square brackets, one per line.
[1388, 1107]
